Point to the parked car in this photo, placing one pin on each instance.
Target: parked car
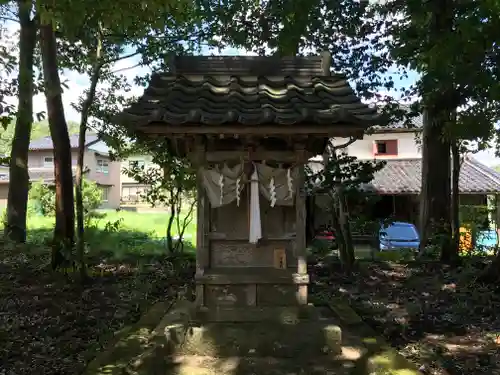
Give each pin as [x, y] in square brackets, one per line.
[398, 235]
[486, 240]
[328, 236]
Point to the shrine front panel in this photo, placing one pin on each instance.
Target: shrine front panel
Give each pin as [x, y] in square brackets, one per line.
[243, 254]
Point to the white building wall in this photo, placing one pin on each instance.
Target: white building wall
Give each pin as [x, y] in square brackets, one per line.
[408, 148]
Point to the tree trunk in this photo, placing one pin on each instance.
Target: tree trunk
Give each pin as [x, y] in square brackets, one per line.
[80, 244]
[455, 196]
[348, 255]
[435, 202]
[170, 224]
[64, 231]
[17, 201]
[440, 101]
[294, 28]
[339, 219]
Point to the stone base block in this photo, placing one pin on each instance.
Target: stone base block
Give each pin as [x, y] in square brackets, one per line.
[277, 315]
[304, 339]
[304, 332]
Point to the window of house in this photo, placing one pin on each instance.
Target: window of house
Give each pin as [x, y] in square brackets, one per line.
[136, 164]
[48, 161]
[102, 166]
[381, 148]
[386, 147]
[105, 193]
[134, 193]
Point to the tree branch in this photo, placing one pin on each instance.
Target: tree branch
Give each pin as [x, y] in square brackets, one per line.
[126, 68]
[344, 145]
[9, 19]
[119, 58]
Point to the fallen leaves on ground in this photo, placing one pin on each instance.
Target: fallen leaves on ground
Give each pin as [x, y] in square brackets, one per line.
[51, 325]
[433, 314]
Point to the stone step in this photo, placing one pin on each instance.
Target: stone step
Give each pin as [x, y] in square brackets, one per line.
[301, 339]
[276, 314]
[203, 365]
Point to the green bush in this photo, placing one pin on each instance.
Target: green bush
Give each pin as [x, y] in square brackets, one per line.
[92, 195]
[42, 198]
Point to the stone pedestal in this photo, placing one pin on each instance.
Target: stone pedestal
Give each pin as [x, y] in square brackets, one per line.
[249, 289]
[281, 332]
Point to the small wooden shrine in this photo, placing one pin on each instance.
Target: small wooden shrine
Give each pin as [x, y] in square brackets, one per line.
[249, 124]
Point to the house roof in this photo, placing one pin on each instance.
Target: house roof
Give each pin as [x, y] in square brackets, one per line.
[414, 123]
[404, 176]
[248, 90]
[46, 142]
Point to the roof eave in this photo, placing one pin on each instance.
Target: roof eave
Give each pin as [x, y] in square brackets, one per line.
[332, 130]
[394, 130]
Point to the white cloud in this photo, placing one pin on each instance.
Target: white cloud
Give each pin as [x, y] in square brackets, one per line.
[487, 157]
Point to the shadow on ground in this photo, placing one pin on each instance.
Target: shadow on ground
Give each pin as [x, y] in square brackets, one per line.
[360, 353]
[51, 324]
[433, 314]
[180, 346]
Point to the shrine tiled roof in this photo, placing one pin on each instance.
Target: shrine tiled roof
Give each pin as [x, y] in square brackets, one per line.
[249, 91]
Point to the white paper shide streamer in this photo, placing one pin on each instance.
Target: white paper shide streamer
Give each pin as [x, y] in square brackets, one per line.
[289, 180]
[272, 192]
[255, 223]
[238, 192]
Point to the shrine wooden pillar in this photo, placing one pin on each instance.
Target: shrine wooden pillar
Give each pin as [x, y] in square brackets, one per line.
[202, 222]
[300, 224]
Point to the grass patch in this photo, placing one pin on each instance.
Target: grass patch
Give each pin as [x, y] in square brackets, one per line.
[153, 224]
[138, 237]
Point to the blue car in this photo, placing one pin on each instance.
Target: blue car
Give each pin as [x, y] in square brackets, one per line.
[398, 235]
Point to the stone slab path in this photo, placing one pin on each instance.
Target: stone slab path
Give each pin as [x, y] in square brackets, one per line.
[142, 350]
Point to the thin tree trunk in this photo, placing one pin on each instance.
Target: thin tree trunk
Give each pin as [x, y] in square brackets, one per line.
[64, 231]
[455, 195]
[339, 219]
[17, 201]
[349, 258]
[80, 244]
[170, 224]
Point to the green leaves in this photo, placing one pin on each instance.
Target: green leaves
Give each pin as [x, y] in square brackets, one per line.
[455, 45]
[340, 169]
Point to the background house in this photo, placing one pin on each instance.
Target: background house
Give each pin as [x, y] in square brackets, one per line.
[132, 191]
[4, 184]
[398, 184]
[97, 163]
